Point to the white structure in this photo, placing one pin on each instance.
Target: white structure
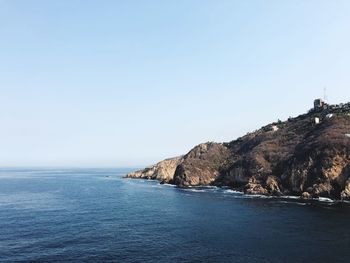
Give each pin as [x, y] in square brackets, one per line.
[347, 135]
[317, 120]
[274, 128]
[329, 115]
[319, 103]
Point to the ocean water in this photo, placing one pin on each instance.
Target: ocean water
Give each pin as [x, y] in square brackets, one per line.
[94, 215]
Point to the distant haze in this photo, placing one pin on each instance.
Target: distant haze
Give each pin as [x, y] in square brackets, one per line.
[128, 83]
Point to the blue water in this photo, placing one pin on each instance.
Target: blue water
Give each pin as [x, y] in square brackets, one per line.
[93, 215]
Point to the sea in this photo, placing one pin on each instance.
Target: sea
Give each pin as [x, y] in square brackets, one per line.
[95, 215]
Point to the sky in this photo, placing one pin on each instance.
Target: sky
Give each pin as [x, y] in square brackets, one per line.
[128, 83]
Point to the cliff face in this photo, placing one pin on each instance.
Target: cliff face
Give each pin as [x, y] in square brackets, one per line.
[201, 166]
[296, 157]
[301, 158]
[198, 167]
[320, 165]
[162, 171]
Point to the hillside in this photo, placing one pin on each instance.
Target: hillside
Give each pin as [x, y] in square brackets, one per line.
[308, 156]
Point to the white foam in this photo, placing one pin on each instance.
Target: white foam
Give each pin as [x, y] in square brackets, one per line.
[230, 191]
[193, 190]
[259, 196]
[170, 185]
[291, 197]
[324, 199]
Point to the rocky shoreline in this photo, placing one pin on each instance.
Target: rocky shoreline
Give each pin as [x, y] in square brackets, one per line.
[307, 156]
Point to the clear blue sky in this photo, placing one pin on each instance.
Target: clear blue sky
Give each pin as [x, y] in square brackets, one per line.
[127, 83]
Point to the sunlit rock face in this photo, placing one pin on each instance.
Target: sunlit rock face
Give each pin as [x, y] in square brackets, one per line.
[162, 171]
[201, 166]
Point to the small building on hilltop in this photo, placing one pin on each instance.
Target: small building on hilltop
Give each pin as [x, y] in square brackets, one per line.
[319, 104]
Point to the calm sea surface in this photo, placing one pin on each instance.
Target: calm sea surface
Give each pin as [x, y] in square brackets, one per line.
[93, 215]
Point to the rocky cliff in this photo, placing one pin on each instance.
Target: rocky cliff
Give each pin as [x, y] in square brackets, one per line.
[201, 166]
[162, 171]
[307, 156]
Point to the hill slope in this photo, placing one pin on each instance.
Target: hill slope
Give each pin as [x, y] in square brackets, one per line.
[308, 156]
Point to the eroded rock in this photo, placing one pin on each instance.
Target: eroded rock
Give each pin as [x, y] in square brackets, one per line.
[163, 171]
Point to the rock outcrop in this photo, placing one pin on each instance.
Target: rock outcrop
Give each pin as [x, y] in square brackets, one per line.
[201, 166]
[308, 156]
[162, 171]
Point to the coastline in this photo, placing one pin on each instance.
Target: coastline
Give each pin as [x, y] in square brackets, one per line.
[239, 193]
